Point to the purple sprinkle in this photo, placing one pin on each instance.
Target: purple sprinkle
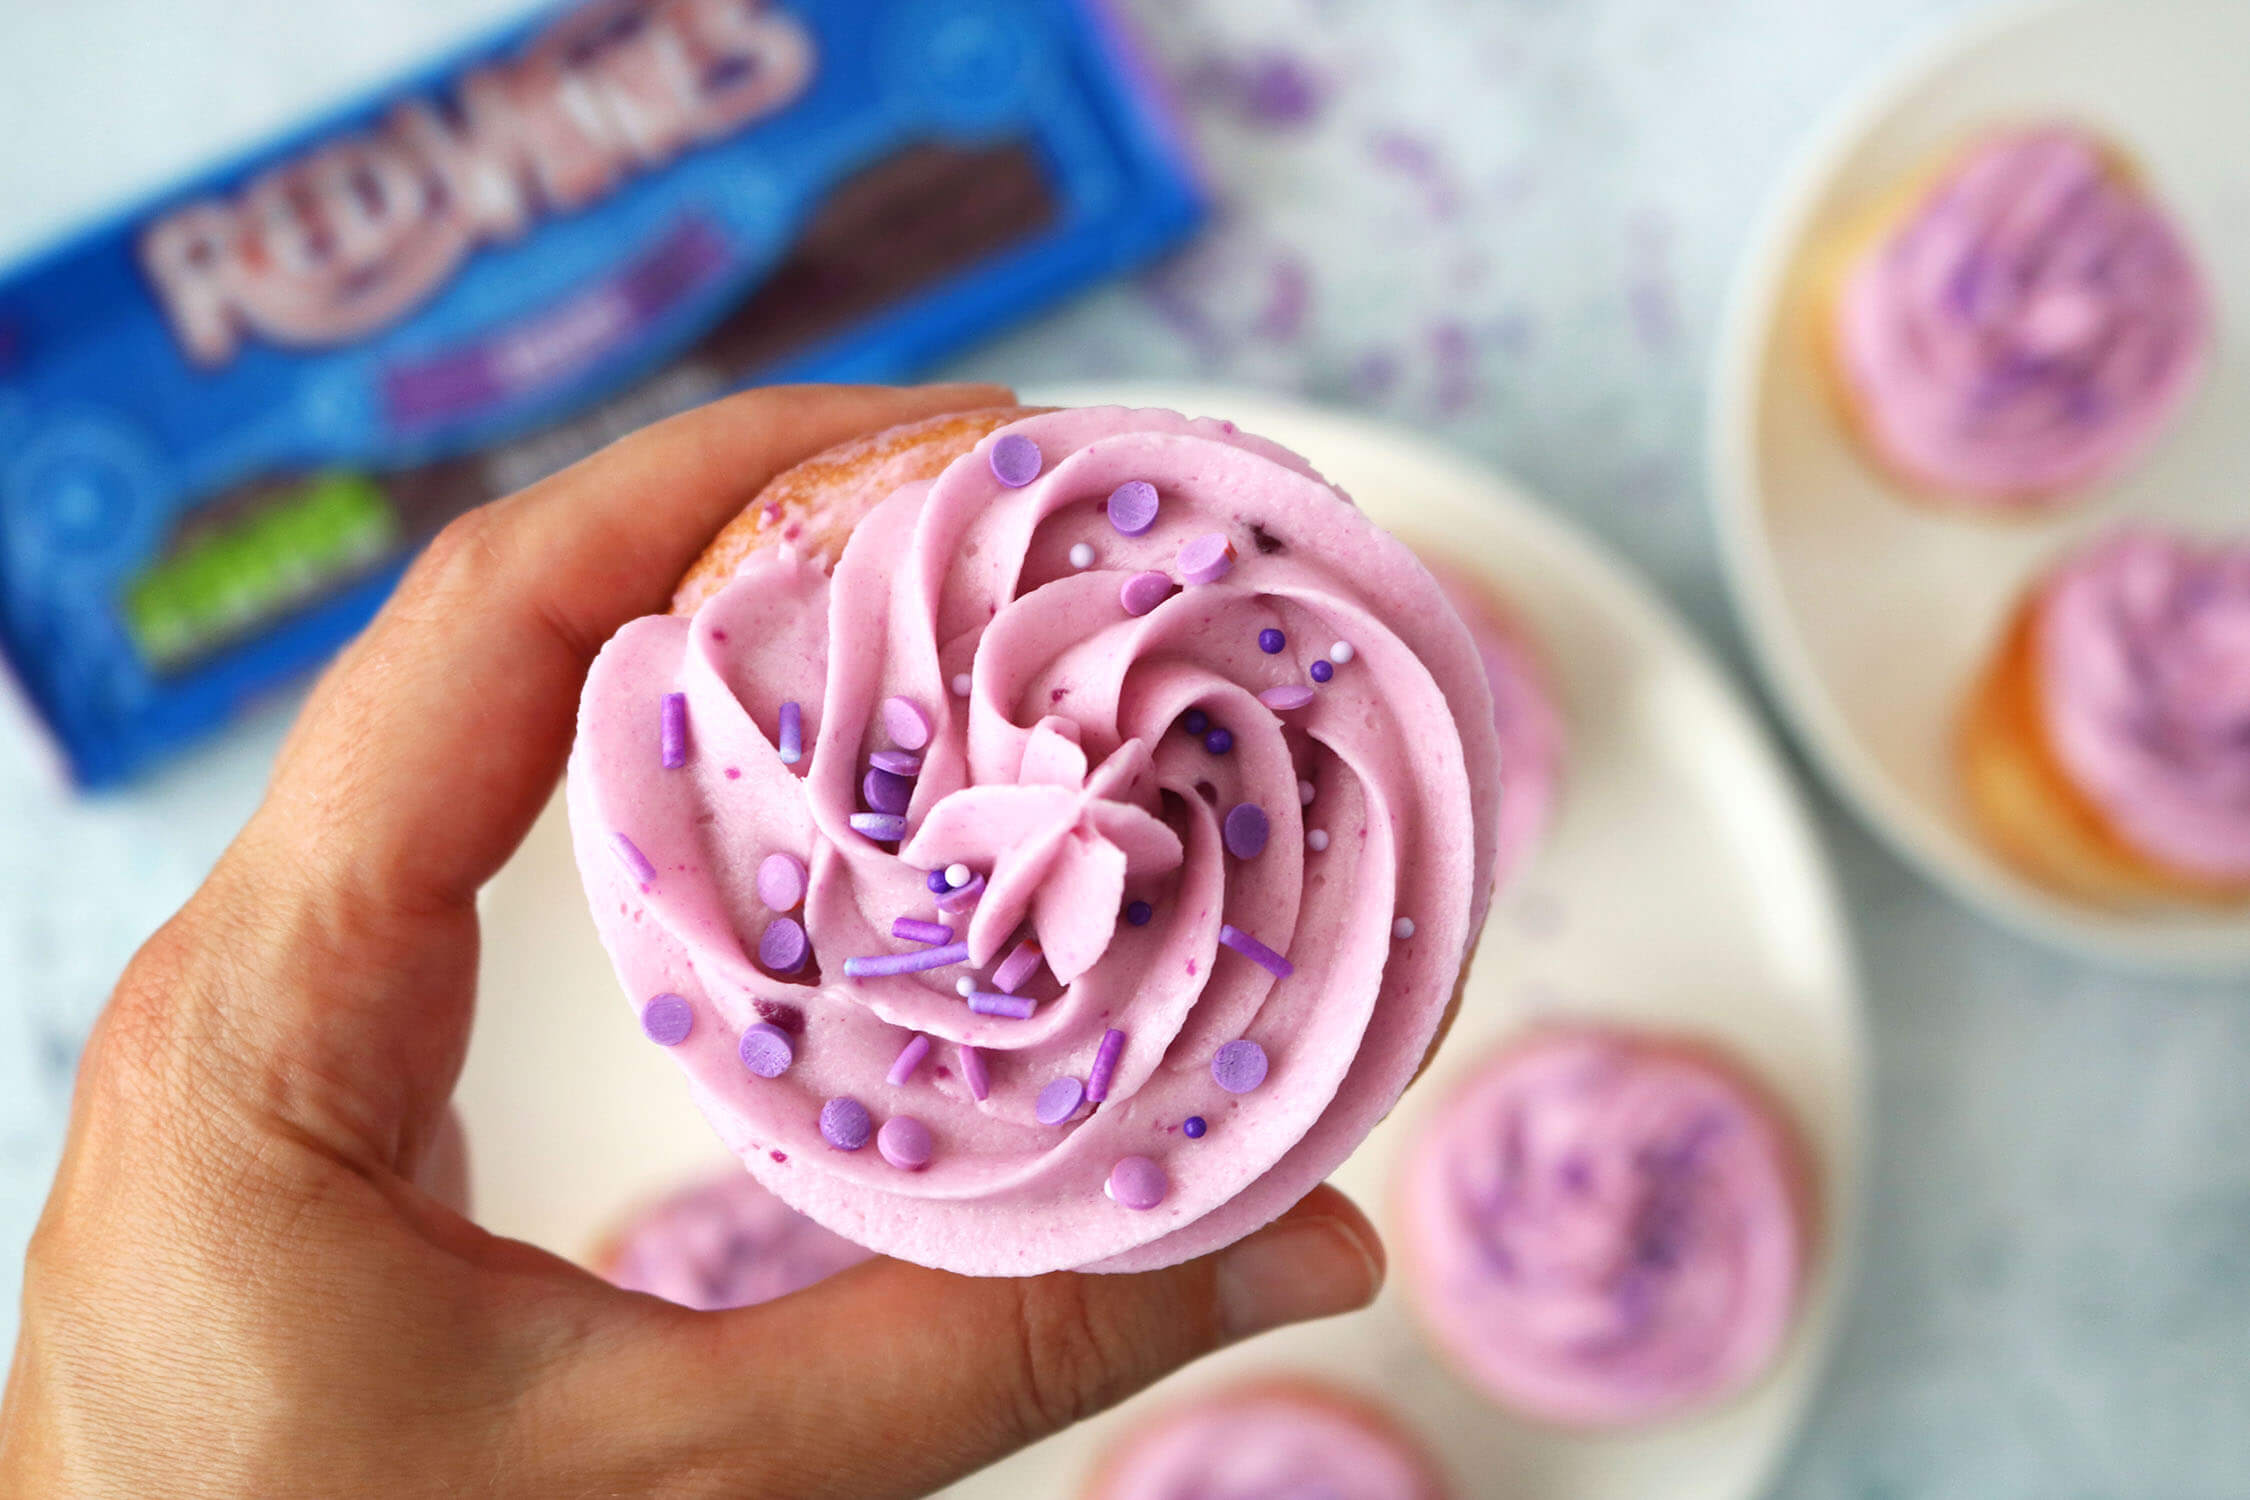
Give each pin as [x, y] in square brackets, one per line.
[905, 1143]
[667, 1020]
[935, 883]
[1014, 1007]
[1271, 641]
[792, 732]
[1195, 721]
[880, 965]
[1137, 913]
[905, 723]
[1246, 830]
[1021, 963]
[1322, 670]
[886, 792]
[783, 946]
[897, 762]
[915, 930]
[909, 1058]
[1239, 1066]
[1015, 460]
[973, 1073]
[672, 731]
[1207, 558]
[629, 855]
[962, 897]
[1138, 1183]
[845, 1123]
[1218, 742]
[1257, 952]
[1133, 506]
[883, 828]
[1059, 1100]
[1143, 592]
[766, 1050]
[1105, 1064]
[1286, 697]
[781, 881]
[1193, 1127]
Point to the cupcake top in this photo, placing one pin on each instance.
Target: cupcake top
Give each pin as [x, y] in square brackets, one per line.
[1281, 1442]
[2028, 328]
[1601, 1230]
[2142, 649]
[726, 1243]
[970, 882]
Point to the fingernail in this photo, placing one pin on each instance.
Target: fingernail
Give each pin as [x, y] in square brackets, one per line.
[1297, 1270]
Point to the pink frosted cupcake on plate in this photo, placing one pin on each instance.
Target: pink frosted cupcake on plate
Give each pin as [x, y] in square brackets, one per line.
[1287, 1439]
[1601, 1229]
[723, 1243]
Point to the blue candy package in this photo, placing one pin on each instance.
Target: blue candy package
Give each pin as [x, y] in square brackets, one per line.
[229, 417]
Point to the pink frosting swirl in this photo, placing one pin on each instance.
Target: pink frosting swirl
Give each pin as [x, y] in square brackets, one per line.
[1067, 781]
[2142, 649]
[726, 1243]
[1268, 1445]
[1601, 1231]
[2028, 329]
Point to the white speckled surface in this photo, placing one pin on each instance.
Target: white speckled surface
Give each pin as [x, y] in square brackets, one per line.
[1510, 223]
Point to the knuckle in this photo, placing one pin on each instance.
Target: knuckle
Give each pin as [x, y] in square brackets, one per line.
[1069, 1362]
[460, 558]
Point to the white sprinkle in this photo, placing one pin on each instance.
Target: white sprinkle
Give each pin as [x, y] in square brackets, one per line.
[957, 875]
[1403, 928]
[1304, 793]
[964, 986]
[961, 684]
[1082, 555]
[1340, 653]
[1316, 839]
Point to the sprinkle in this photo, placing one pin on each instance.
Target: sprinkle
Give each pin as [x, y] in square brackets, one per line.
[1321, 670]
[1306, 791]
[957, 874]
[766, 1050]
[881, 965]
[883, 828]
[667, 1020]
[1059, 1100]
[1246, 830]
[1138, 913]
[792, 732]
[629, 855]
[845, 1123]
[935, 882]
[1137, 1183]
[1133, 506]
[897, 762]
[965, 986]
[973, 1073]
[885, 791]
[1014, 1007]
[914, 930]
[1144, 591]
[1193, 1127]
[1271, 641]
[905, 723]
[1403, 928]
[1015, 460]
[909, 1058]
[1195, 721]
[904, 1142]
[781, 881]
[1105, 1064]
[1257, 952]
[1218, 742]
[783, 946]
[672, 731]
[962, 897]
[962, 682]
[1286, 697]
[1082, 555]
[1239, 1066]
[1022, 961]
[1341, 653]
[1316, 839]
[1207, 558]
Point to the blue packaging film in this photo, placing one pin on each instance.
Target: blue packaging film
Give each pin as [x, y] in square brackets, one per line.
[229, 417]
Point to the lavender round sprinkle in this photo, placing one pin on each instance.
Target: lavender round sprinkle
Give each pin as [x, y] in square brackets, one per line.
[906, 723]
[1015, 460]
[1288, 696]
[1218, 741]
[1142, 592]
[973, 1073]
[672, 731]
[765, 1049]
[961, 684]
[781, 881]
[1257, 952]
[1403, 928]
[936, 882]
[1058, 1101]
[1316, 839]
[909, 1058]
[1138, 1183]
[667, 1020]
[1321, 670]
[1206, 559]
[883, 828]
[885, 791]
[1271, 641]
[962, 897]
[915, 930]
[629, 855]
[1239, 1066]
[783, 947]
[897, 762]
[845, 1123]
[1105, 1064]
[1306, 791]
[904, 1142]
[1133, 506]
[1195, 721]
[792, 745]
[1193, 1127]
[879, 965]
[1014, 1007]
[1246, 830]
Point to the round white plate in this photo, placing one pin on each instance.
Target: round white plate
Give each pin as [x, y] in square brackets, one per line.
[1681, 885]
[1873, 617]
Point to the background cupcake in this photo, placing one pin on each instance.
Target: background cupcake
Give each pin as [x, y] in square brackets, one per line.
[723, 1243]
[1289, 1439]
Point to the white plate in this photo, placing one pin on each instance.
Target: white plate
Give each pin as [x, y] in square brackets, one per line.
[1681, 885]
[1872, 617]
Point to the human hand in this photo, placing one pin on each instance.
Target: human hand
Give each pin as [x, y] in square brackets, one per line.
[248, 1280]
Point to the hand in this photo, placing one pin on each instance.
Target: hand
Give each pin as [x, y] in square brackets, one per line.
[239, 1288]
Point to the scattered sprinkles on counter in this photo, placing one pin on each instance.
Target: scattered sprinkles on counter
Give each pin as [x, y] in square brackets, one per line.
[881, 965]
[672, 731]
[973, 1073]
[1403, 928]
[1271, 641]
[1138, 913]
[1133, 506]
[667, 1020]
[1257, 952]
[1219, 741]
[629, 855]
[792, 746]
[1207, 558]
[1316, 839]
[1322, 670]
[783, 946]
[1013, 1007]
[1290, 695]
[781, 881]
[1105, 1065]
[1016, 460]
[906, 723]
[766, 1050]
[1137, 1183]
[1022, 962]
[1239, 1066]
[905, 1143]
[1246, 830]
[1082, 555]
[845, 1123]
[909, 1058]
[1059, 1100]
[883, 828]
[1143, 592]
[915, 930]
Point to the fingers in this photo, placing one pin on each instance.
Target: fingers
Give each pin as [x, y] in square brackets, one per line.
[893, 1380]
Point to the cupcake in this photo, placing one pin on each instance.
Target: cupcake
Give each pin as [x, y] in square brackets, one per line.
[952, 834]
[1600, 1230]
[1523, 712]
[1274, 1440]
[2107, 751]
[723, 1243]
[2022, 329]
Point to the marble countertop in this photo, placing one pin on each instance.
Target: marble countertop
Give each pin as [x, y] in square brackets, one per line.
[1511, 224]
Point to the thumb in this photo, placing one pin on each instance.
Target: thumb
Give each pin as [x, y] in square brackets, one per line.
[893, 1380]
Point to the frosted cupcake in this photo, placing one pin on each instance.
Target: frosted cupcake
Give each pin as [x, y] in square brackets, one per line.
[723, 1243]
[1279, 1440]
[1600, 1230]
[2023, 329]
